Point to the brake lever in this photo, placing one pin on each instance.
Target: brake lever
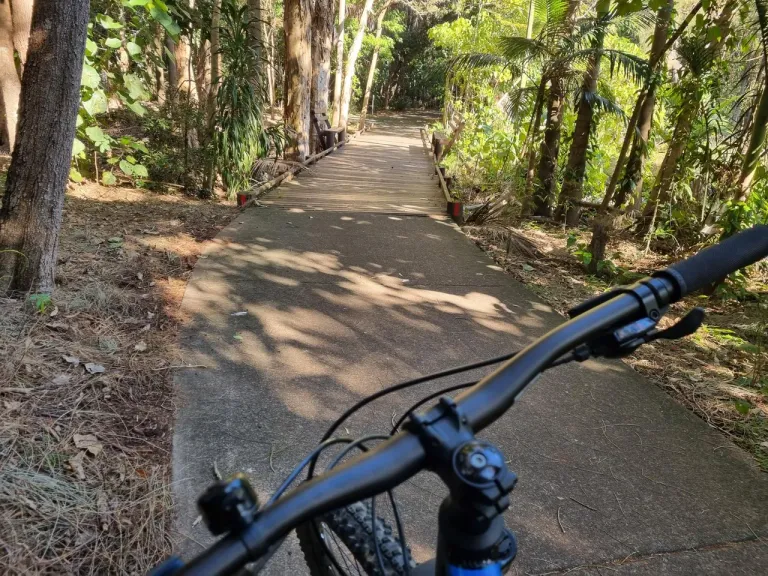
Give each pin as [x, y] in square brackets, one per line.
[686, 326]
[626, 339]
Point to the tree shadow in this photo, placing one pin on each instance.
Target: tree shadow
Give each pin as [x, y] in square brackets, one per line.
[338, 306]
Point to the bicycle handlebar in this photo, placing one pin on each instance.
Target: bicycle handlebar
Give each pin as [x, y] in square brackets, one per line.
[400, 458]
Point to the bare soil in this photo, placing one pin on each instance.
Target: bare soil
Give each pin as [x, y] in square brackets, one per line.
[720, 373]
[86, 405]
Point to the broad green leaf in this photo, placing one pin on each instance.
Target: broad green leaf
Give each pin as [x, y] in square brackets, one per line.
[140, 171]
[108, 179]
[133, 48]
[77, 147]
[135, 86]
[131, 159]
[113, 42]
[107, 22]
[113, 161]
[91, 78]
[140, 146]
[96, 104]
[132, 3]
[165, 20]
[96, 134]
[126, 167]
[79, 121]
[137, 108]
[91, 47]
[75, 176]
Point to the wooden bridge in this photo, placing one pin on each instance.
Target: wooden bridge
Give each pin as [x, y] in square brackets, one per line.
[386, 170]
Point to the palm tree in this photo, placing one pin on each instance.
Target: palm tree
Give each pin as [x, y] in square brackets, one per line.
[561, 49]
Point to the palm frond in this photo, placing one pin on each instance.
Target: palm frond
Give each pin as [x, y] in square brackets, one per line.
[632, 66]
[515, 99]
[603, 104]
[475, 61]
[549, 10]
[762, 20]
[519, 48]
[696, 54]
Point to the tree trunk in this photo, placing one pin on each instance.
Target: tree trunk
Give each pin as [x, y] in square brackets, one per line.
[30, 218]
[632, 183]
[159, 46]
[573, 182]
[257, 35]
[666, 175]
[182, 54]
[532, 137]
[550, 148]
[202, 60]
[349, 69]
[10, 85]
[339, 80]
[215, 65]
[22, 22]
[372, 69]
[298, 72]
[172, 78]
[322, 40]
[653, 65]
[756, 145]
[210, 183]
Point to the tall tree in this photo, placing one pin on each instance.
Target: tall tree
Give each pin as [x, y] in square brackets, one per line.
[701, 54]
[322, 40]
[573, 181]
[349, 68]
[298, 72]
[257, 36]
[544, 187]
[633, 176]
[374, 60]
[339, 78]
[30, 218]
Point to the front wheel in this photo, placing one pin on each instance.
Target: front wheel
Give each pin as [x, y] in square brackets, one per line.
[344, 542]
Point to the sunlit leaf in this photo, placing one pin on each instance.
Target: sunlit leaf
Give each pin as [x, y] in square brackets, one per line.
[113, 42]
[75, 176]
[133, 48]
[107, 22]
[77, 147]
[108, 179]
[96, 104]
[91, 78]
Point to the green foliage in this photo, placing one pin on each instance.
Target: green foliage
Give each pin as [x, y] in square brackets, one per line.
[118, 67]
[240, 138]
[40, 302]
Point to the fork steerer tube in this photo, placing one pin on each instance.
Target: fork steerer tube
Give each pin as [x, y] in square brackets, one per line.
[471, 531]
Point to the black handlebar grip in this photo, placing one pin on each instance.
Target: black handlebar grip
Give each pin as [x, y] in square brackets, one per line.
[716, 262]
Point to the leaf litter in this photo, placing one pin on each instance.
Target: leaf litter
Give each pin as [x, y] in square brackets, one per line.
[84, 419]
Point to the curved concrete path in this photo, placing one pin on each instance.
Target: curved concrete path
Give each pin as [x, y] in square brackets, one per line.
[615, 477]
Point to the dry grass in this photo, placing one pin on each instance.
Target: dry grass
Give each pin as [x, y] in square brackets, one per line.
[720, 373]
[84, 454]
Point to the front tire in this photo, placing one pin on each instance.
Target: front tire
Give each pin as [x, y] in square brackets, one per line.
[352, 527]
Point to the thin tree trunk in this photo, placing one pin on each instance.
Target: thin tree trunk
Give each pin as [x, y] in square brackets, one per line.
[30, 218]
[339, 79]
[159, 46]
[322, 41]
[550, 147]
[573, 182]
[633, 176]
[215, 65]
[271, 60]
[349, 69]
[372, 68]
[690, 105]
[298, 72]
[202, 59]
[632, 124]
[22, 22]
[10, 85]
[257, 36]
[172, 78]
[212, 92]
[755, 148]
[182, 55]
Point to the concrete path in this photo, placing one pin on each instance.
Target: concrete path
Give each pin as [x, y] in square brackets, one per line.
[615, 477]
